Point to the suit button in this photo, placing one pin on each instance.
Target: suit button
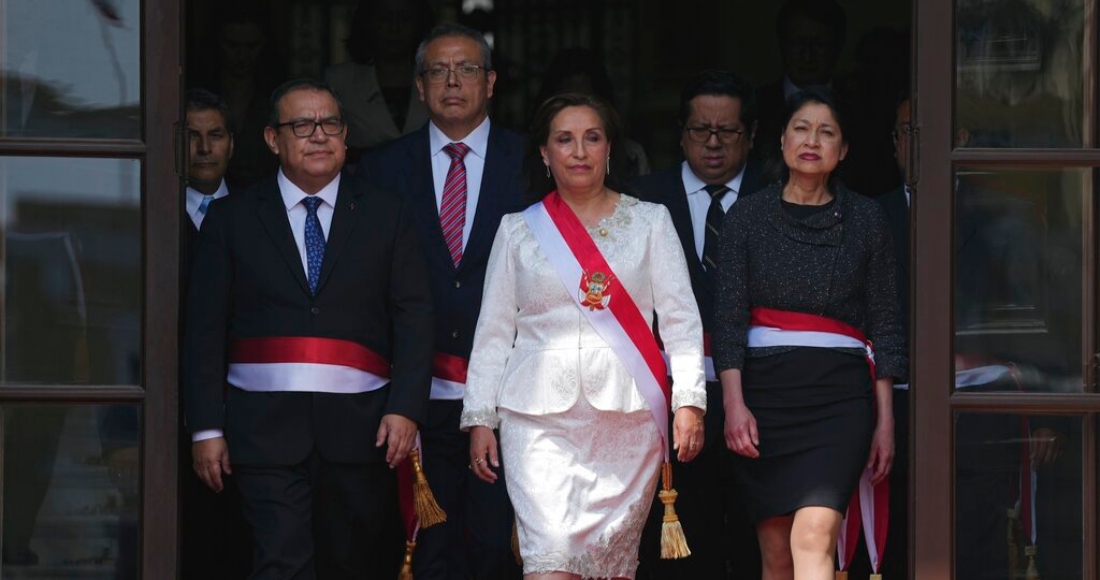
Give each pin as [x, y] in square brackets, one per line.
[454, 334]
[458, 283]
[315, 310]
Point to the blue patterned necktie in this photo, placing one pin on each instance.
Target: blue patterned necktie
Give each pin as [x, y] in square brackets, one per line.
[315, 242]
[206, 199]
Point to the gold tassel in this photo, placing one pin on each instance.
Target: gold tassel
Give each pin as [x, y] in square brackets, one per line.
[841, 575]
[673, 543]
[875, 577]
[1032, 569]
[427, 510]
[406, 572]
[515, 543]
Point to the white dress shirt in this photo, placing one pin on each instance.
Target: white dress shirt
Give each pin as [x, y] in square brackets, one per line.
[296, 212]
[193, 200]
[478, 142]
[699, 201]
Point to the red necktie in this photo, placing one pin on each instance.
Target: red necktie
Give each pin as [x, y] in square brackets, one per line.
[452, 208]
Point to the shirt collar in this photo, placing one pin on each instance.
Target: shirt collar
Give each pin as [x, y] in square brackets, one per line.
[194, 197]
[477, 140]
[293, 195]
[692, 183]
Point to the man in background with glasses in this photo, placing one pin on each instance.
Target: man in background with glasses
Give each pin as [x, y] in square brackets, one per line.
[718, 124]
[307, 351]
[461, 173]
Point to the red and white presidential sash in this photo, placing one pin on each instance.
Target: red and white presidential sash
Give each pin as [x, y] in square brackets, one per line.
[772, 327]
[305, 364]
[603, 299]
[869, 507]
[448, 376]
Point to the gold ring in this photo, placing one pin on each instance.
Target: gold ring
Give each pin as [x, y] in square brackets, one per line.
[478, 461]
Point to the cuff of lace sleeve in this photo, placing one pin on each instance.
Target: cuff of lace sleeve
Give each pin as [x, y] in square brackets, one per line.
[691, 398]
[486, 418]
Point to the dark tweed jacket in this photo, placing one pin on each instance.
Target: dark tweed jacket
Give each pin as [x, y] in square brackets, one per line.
[838, 264]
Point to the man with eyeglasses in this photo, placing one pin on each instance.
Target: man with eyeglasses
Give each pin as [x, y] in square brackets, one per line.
[461, 173]
[307, 351]
[718, 124]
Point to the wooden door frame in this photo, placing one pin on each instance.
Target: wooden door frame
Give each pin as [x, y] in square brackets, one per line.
[161, 47]
[934, 406]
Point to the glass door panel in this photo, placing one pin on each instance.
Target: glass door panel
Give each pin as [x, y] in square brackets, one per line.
[70, 491]
[1020, 76]
[1018, 496]
[1019, 268]
[71, 261]
[70, 69]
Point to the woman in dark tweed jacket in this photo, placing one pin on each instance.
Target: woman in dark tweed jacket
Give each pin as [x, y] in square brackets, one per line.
[805, 286]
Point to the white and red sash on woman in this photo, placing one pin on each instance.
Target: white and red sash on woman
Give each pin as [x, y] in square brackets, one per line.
[869, 507]
[305, 364]
[448, 376]
[604, 300]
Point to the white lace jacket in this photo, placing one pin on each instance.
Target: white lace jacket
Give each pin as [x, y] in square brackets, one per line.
[535, 352]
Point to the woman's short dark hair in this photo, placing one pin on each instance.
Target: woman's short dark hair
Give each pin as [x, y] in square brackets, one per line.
[360, 45]
[538, 184]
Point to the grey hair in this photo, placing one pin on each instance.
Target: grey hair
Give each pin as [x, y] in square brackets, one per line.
[444, 30]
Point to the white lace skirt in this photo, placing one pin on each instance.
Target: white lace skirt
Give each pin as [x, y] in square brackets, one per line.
[582, 483]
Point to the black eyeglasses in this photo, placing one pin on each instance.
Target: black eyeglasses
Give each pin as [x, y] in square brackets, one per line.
[306, 127]
[703, 134]
[466, 72]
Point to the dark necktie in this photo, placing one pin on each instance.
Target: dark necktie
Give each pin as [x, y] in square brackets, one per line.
[452, 207]
[713, 226]
[315, 242]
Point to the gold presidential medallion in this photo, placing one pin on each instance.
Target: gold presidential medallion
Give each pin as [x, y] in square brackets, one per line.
[594, 291]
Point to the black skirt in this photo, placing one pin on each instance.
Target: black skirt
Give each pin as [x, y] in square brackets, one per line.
[814, 412]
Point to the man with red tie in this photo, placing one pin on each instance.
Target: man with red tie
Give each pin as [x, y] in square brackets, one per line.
[307, 351]
[460, 173]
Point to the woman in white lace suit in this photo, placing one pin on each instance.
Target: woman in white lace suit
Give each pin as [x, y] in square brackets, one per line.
[579, 441]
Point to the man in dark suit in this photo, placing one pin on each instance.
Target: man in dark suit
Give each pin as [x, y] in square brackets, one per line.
[309, 298]
[460, 173]
[209, 126]
[214, 538]
[718, 124]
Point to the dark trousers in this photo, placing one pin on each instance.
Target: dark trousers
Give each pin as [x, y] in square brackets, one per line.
[475, 541]
[320, 519]
[711, 509]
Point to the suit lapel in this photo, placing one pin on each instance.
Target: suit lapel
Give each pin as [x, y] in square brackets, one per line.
[491, 198]
[344, 219]
[273, 216]
[681, 218]
[421, 189]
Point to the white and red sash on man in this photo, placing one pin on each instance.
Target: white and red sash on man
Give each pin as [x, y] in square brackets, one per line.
[605, 302]
[869, 507]
[305, 364]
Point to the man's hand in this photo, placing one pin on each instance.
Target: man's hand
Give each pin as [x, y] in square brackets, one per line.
[400, 434]
[210, 459]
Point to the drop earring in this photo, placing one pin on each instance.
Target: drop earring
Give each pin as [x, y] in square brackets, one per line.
[609, 164]
[547, 171]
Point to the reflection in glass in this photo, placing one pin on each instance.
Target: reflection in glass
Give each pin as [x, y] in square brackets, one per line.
[1018, 279]
[1020, 79]
[70, 258]
[1018, 491]
[70, 492]
[70, 69]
